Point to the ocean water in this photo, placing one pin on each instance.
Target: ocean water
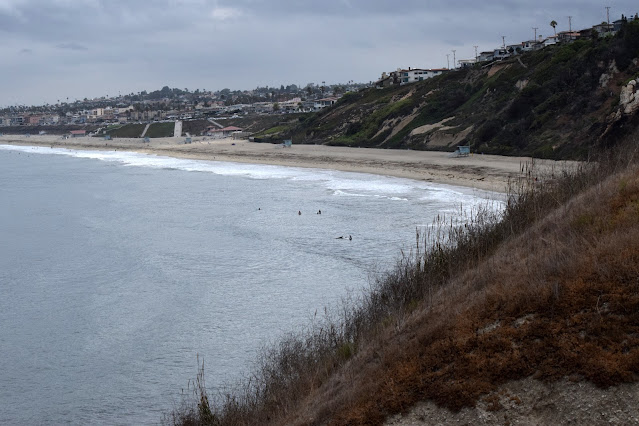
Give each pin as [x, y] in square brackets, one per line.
[118, 269]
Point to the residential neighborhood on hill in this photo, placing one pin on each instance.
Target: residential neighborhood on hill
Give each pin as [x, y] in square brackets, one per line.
[406, 76]
[175, 104]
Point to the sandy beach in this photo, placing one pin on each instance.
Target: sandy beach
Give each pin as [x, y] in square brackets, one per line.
[486, 172]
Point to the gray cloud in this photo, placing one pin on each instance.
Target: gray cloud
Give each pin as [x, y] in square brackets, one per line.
[72, 46]
[144, 44]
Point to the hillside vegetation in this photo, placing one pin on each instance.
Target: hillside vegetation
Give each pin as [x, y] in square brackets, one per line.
[126, 131]
[557, 102]
[160, 130]
[547, 290]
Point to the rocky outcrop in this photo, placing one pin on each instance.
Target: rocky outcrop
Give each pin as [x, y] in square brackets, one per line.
[628, 105]
[521, 84]
[629, 98]
[607, 76]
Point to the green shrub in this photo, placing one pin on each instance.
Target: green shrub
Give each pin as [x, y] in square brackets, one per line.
[160, 130]
[489, 130]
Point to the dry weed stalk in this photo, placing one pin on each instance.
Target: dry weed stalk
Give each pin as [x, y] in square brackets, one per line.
[301, 363]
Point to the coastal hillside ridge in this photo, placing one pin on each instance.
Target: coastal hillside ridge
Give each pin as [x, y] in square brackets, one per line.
[547, 293]
[559, 102]
[495, 320]
[153, 227]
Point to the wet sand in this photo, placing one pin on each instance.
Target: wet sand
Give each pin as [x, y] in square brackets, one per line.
[486, 172]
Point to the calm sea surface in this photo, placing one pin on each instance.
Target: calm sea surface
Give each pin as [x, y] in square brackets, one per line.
[118, 269]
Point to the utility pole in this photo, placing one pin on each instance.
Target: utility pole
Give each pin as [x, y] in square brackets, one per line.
[448, 61]
[503, 41]
[454, 60]
[570, 23]
[535, 28]
[476, 59]
[608, 14]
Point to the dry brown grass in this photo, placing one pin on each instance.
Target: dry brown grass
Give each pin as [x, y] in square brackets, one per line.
[561, 300]
[550, 289]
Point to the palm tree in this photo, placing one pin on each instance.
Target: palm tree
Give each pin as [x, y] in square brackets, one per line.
[553, 24]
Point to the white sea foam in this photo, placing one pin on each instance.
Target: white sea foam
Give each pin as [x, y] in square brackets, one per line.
[337, 182]
[341, 193]
[135, 245]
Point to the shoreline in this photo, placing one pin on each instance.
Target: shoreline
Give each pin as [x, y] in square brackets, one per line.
[484, 172]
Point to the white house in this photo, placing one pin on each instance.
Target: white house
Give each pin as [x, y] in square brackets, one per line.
[418, 74]
[487, 56]
[466, 63]
[291, 104]
[500, 54]
[515, 49]
[326, 102]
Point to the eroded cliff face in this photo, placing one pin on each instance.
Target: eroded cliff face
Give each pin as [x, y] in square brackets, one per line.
[530, 402]
[559, 102]
[629, 98]
[628, 105]
[607, 76]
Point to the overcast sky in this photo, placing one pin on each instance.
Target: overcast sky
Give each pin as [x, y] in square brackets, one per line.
[54, 49]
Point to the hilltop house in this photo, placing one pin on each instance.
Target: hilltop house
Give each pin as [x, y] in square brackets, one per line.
[501, 53]
[487, 56]
[291, 105]
[466, 63]
[604, 28]
[387, 80]
[530, 45]
[568, 36]
[308, 105]
[418, 74]
[326, 102]
[515, 49]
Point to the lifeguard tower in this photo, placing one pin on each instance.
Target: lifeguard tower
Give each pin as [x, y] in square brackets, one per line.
[462, 151]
